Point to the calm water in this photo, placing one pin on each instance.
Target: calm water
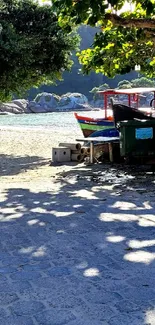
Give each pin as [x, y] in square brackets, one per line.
[44, 120]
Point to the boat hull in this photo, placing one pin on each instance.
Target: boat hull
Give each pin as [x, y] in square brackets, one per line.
[123, 112]
[90, 125]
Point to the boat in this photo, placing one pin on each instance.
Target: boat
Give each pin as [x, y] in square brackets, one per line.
[123, 112]
[106, 123]
[90, 125]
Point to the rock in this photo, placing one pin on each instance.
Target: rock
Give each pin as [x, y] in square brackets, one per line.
[46, 102]
[72, 101]
[15, 107]
[36, 108]
[22, 103]
[6, 113]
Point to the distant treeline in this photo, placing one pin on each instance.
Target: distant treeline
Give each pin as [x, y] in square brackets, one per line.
[134, 83]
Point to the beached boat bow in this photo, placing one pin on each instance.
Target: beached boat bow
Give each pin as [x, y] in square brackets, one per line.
[90, 125]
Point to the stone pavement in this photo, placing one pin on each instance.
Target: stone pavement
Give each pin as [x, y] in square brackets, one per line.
[78, 250]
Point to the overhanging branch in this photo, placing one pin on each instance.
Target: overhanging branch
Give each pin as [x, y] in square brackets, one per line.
[145, 23]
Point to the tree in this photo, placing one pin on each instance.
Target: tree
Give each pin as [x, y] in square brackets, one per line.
[124, 84]
[34, 49]
[135, 83]
[142, 82]
[96, 89]
[126, 37]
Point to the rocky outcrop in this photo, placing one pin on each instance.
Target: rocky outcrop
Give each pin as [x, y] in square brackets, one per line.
[46, 102]
[43, 103]
[17, 106]
[73, 101]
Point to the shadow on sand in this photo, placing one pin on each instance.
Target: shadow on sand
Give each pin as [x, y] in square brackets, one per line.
[13, 165]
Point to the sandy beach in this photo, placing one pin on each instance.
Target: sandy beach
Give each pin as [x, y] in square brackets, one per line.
[26, 153]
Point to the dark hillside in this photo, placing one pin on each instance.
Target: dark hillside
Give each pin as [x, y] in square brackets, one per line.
[75, 82]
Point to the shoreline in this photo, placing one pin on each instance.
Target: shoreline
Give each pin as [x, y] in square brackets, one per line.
[26, 128]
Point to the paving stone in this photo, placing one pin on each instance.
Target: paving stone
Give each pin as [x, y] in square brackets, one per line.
[14, 261]
[127, 306]
[141, 295]
[52, 283]
[60, 298]
[37, 267]
[3, 278]
[60, 286]
[16, 320]
[87, 321]
[14, 286]
[142, 281]
[8, 269]
[127, 319]
[3, 313]
[25, 275]
[59, 271]
[20, 285]
[102, 297]
[55, 317]
[100, 312]
[23, 308]
[7, 298]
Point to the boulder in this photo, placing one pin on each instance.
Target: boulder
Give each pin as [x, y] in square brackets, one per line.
[43, 103]
[14, 107]
[21, 103]
[47, 100]
[37, 108]
[72, 101]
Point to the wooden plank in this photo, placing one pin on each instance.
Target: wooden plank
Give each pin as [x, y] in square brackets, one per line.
[91, 152]
[111, 158]
[98, 139]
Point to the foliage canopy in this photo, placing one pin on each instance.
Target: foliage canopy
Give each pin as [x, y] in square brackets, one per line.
[135, 83]
[126, 37]
[34, 49]
[96, 89]
[124, 84]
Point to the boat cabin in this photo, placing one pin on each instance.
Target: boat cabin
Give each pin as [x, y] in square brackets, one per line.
[133, 97]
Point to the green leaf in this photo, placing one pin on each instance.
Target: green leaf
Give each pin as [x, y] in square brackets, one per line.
[34, 49]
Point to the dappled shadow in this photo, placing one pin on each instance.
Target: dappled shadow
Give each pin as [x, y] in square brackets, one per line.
[123, 176]
[84, 246]
[13, 165]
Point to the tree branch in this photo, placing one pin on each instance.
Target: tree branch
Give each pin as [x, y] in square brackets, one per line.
[146, 23]
[149, 33]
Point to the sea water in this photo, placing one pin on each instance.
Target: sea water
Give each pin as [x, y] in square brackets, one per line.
[56, 120]
[43, 120]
